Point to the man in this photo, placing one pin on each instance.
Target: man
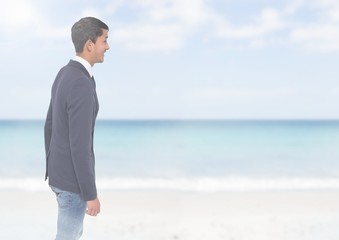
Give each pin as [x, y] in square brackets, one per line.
[69, 129]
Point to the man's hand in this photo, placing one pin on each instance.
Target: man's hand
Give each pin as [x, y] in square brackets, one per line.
[93, 207]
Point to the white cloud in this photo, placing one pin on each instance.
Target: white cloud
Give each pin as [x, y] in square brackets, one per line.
[322, 34]
[328, 6]
[112, 7]
[17, 14]
[268, 21]
[21, 17]
[166, 25]
[161, 25]
[320, 37]
[149, 37]
[186, 12]
[293, 6]
[281, 27]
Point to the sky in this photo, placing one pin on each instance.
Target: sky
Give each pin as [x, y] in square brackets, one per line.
[180, 59]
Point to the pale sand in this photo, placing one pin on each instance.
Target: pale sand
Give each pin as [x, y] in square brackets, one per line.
[162, 215]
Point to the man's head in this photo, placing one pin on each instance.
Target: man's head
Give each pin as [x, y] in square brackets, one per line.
[89, 36]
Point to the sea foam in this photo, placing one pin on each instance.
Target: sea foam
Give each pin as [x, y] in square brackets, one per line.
[186, 184]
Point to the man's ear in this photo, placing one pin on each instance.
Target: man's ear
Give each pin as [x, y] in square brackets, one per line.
[89, 45]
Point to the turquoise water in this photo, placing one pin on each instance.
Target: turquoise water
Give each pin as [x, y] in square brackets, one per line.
[216, 148]
[187, 149]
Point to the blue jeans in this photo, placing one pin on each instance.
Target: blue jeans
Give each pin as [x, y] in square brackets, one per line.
[71, 214]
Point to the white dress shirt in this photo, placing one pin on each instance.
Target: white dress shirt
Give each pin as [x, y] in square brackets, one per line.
[85, 64]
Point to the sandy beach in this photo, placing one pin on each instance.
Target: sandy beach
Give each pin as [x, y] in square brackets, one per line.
[165, 215]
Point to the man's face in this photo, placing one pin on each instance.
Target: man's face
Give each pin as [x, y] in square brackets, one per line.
[100, 47]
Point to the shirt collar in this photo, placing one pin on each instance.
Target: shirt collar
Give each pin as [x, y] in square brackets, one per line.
[85, 64]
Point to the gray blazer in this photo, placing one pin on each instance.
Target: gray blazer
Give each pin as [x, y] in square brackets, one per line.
[69, 130]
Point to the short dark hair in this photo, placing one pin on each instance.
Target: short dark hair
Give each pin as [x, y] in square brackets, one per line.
[88, 28]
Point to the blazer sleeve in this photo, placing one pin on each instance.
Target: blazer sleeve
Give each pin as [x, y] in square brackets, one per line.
[48, 128]
[80, 110]
[48, 133]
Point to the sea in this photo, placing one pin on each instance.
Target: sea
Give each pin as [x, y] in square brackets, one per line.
[186, 155]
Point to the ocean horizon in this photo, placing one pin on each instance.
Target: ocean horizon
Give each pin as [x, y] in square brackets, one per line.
[197, 155]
